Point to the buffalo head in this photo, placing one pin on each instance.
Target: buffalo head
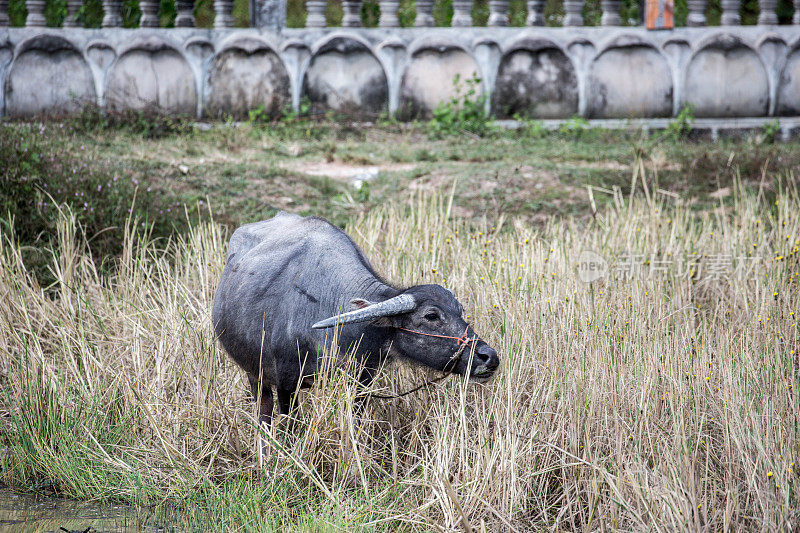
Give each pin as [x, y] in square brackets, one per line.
[427, 327]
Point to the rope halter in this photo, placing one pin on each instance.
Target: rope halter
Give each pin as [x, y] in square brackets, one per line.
[462, 342]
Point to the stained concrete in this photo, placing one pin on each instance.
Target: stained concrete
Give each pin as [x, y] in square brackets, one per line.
[789, 86]
[726, 78]
[49, 76]
[630, 81]
[151, 75]
[430, 79]
[536, 81]
[245, 76]
[344, 76]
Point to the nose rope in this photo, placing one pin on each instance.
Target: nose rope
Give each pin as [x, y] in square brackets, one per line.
[462, 342]
[464, 338]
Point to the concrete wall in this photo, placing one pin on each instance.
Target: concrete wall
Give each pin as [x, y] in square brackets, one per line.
[538, 72]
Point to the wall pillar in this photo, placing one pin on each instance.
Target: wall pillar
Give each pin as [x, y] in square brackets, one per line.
[268, 14]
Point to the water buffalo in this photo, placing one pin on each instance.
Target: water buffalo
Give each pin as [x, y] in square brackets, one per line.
[289, 278]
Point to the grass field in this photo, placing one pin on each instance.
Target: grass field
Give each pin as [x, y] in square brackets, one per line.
[661, 397]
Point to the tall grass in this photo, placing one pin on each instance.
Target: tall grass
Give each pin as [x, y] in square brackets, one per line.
[663, 397]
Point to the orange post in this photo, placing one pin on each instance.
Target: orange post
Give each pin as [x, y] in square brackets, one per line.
[659, 14]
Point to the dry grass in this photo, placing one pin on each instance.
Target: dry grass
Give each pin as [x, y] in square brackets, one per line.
[662, 402]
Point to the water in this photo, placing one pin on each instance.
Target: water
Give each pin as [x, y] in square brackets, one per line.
[22, 513]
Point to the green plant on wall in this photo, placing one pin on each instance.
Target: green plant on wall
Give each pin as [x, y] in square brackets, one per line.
[407, 13]
[442, 12]
[681, 127]
[464, 112]
[592, 13]
[770, 131]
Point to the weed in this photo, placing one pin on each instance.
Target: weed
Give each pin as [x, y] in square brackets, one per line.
[574, 128]
[304, 109]
[681, 126]
[257, 114]
[464, 112]
[770, 131]
[150, 124]
[423, 154]
[530, 127]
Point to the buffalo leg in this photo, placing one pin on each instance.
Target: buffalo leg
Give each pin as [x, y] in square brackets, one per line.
[265, 408]
[365, 379]
[287, 401]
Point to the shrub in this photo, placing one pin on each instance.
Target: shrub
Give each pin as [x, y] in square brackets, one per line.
[40, 179]
[574, 127]
[770, 131]
[464, 112]
[681, 127]
[150, 124]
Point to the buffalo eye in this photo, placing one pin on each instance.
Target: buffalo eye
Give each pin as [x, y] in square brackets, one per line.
[431, 315]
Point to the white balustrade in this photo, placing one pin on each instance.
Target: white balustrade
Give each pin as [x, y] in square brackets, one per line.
[185, 17]
[73, 6]
[316, 13]
[611, 16]
[425, 14]
[697, 13]
[730, 13]
[149, 14]
[352, 13]
[35, 13]
[535, 13]
[462, 16]
[112, 17]
[498, 13]
[223, 10]
[767, 15]
[389, 9]
[573, 12]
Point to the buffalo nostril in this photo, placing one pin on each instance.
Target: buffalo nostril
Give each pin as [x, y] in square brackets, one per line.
[488, 356]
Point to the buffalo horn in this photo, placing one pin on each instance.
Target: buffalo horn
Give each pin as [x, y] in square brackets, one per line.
[393, 306]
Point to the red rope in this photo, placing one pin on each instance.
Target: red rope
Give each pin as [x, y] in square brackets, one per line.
[462, 339]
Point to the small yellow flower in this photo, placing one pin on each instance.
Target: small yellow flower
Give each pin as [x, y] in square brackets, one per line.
[769, 474]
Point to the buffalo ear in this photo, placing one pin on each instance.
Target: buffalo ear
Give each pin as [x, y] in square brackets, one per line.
[381, 322]
[360, 303]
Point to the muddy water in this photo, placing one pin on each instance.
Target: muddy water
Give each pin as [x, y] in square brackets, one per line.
[28, 514]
